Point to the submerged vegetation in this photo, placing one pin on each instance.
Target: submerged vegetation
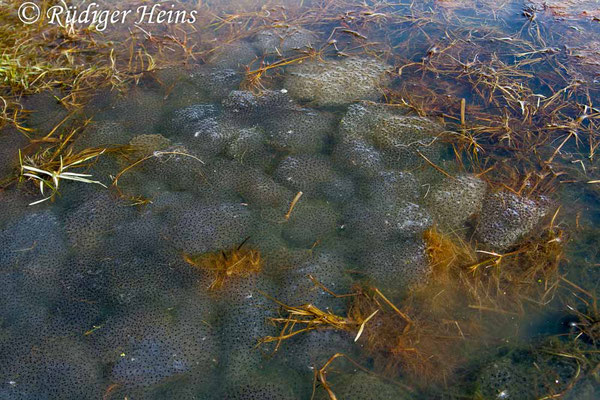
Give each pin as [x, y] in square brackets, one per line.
[430, 337]
[391, 337]
[223, 265]
[504, 112]
[73, 64]
[514, 101]
[51, 178]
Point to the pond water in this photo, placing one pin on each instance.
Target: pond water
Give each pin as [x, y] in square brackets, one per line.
[303, 200]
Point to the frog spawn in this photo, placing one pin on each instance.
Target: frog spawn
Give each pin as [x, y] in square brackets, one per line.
[362, 208]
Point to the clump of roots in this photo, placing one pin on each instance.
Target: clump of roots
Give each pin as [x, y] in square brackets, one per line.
[224, 265]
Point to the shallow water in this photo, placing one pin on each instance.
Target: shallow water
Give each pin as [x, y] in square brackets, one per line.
[340, 167]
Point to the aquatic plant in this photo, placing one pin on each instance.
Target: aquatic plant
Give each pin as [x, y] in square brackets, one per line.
[360, 385]
[47, 160]
[253, 77]
[527, 273]
[578, 346]
[446, 253]
[161, 155]
[239, 262]
[587, 326]
[492, 93]
[442, 321]
[438, 72]
[32, 61]
[50, 178]
[398, 343]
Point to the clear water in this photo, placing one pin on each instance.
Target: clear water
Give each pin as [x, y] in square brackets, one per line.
[308, 167]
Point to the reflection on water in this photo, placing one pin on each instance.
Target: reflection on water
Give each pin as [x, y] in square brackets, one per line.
[314, 199]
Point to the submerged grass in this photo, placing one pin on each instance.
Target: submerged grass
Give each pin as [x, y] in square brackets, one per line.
[72, 63]
[502, 93]
[163, 156]
[492, 282]
[397, 342]
[50, 178]
[320, 376]
[50, 159]
[579, 345]
[78, 60]
[474, 77]
[222, 266]
[513, 96]
[461, 310]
